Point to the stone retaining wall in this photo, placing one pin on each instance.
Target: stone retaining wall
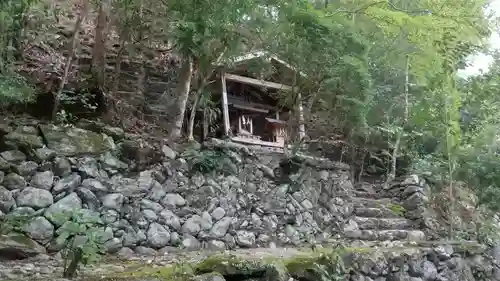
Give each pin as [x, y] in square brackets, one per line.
[151, 197]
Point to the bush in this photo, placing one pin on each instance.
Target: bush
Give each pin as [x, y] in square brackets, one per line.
[15, 89]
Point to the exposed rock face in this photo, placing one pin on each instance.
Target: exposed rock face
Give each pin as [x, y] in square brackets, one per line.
[247, 200]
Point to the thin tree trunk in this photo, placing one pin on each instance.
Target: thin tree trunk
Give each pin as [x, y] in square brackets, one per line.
[190, 136]
[99, 49]
[186, 73]
[74, 41]
[392, 174]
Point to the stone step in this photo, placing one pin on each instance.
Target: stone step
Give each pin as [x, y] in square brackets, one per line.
[359, 202]
[386, 235]
[380, 212]
[382, 223]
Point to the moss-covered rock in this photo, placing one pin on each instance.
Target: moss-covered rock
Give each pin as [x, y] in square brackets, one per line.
[75, 141]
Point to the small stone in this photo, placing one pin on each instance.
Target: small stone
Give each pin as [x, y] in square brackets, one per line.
[216, 245]
[170, 219]
[61, 167]
[40, 229]
[113, 245]
[125, 252]
[69, 183]
[168, 152]
[35, 198]
[190, 243]
[43, 180]
[192, 226]
[64, 206]
[145, 251]
[173, 200]
[14, 181]
[157, 235]
[218, 213]
[26, 168]
[113, 201]
[7, 201]
[220, 228]
[13, 156]
[245, 238]
[45, 154]
[94, 185]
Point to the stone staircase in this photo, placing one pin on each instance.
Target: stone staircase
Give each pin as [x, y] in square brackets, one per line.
[379, 216]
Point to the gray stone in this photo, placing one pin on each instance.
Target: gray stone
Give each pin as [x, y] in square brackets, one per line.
[192, 225]
[88, 167]
[173, 200]
[206, 221]
[113, 201]
[17, 246]
[24, 136]
[157, 235]
[151, 205]
[95, 185]
[220, 228]
[88, 198]
[157, 192]
[216, 245]
[61, 167]
[230, 241]
[175, 238]
[150, 215]
[133, 238]
[245, 239]
[64, 206]
[35, 198]
[170, 219]
[75, 141]
[7, 201]
[168, 152]
[45, 154]
[13, 156]
[110, 216]
[125, 252]
[189, 242]
[292, 234]
[40, 229]
[14, 181]
[43, 180]
[26, 168]
[113, 245]
[145, 251]
[68, 183]
[218, 213]
[429, 271]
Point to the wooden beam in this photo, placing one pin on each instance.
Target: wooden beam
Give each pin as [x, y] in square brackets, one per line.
[250, 108]
[225, 110]
[256, 82]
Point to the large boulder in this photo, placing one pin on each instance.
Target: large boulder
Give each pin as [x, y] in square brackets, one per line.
[75, 141]
[17, 246]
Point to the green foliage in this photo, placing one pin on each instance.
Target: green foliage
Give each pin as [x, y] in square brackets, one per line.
[82, 236]
[15, 89]
[331, 267]
[14, 223]
[397, 209]
[205, 161]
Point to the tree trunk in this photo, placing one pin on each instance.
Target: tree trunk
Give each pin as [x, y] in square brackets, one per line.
[186, 73]
[190, 136]
[99, 49]
[392, 173]
[74, 41]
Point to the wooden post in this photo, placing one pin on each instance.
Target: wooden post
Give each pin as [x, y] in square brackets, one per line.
[225, 109]
[302, 128]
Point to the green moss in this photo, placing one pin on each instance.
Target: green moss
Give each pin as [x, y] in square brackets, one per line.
[230, 265]
[174, 272]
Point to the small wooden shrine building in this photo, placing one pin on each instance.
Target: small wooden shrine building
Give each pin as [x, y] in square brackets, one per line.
[250, 88]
